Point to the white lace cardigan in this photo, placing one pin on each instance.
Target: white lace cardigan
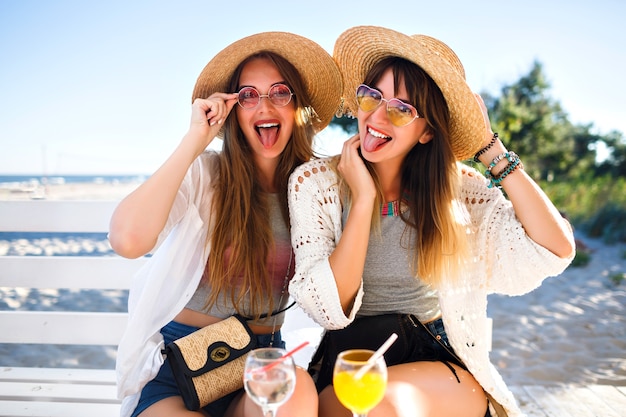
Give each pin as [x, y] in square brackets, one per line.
[506, 261]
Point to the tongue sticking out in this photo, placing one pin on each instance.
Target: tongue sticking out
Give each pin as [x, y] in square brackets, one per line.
[268, 136]
[371, 142]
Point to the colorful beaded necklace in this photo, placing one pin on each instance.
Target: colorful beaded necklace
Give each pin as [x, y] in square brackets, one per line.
[394, 208]
[391, 208]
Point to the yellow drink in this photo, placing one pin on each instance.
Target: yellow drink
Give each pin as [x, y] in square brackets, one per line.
[359, 396]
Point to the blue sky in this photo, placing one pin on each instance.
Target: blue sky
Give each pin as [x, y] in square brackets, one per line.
[105, 87]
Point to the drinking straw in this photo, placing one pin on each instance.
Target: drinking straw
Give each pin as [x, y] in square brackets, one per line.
[377, 355]
[282, 358]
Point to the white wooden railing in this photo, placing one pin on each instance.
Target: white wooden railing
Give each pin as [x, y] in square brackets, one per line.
[66, 392]
[34, 391]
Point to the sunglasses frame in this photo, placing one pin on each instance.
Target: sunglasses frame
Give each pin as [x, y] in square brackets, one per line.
[387, 108]
[267, 96]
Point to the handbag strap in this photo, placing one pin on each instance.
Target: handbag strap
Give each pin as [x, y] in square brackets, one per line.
[282, 293]
[273, 313]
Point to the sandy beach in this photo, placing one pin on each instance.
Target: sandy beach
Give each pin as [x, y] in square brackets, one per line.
[572, 329]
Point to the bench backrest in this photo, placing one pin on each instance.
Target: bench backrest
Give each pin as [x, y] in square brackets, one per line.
[57, 272]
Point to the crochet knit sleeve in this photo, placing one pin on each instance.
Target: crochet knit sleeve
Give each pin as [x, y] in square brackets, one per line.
[315, 214]
[510, 261]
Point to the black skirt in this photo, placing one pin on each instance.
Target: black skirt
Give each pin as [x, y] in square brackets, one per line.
[416, 342]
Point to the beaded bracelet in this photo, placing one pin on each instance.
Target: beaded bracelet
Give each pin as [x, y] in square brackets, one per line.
[514, 163]
[497, 159]
[517, 163]
[486, 148]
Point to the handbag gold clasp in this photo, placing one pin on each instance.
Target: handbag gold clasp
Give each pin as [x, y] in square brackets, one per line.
[220, 354]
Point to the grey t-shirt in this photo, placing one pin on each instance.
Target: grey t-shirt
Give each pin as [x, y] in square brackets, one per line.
[388, 284]
[279, 261]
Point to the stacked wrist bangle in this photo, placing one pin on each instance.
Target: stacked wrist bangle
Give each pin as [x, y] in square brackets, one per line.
[486, 148]
[514, 163]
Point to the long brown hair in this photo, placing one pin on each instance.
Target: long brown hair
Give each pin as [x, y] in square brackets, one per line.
[242, 228]
[430, 179]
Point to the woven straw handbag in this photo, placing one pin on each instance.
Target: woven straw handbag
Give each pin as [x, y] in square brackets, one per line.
[208, 363]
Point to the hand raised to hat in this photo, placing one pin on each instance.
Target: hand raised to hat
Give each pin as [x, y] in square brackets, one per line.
[208, 116]
[483, 108]
[490, 149]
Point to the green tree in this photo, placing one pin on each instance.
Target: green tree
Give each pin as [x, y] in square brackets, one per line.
[347, 124]
[615, 163]
[537, 128]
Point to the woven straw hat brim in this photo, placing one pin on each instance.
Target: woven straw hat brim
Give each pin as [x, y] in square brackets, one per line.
[317, 68]
[359, 48]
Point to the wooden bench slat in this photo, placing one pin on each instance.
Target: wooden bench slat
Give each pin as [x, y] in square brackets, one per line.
[57, 409]
[85, 272]
[68, 375]
[542, 396]
[526, 402]
[59, 392]
[569, 399]
[615, 397]
[588, 400]
[61, 327]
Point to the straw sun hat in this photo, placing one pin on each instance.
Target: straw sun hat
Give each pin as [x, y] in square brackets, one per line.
[359, 48]
[317, 68]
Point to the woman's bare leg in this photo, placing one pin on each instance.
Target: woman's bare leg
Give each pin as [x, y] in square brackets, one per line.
[420, 389]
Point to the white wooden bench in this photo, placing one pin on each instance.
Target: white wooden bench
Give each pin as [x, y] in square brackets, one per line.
[33, 391]
[26, 391]
[80, 392]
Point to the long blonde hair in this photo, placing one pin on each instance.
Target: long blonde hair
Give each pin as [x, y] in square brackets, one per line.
[436, 219]
[242, 236]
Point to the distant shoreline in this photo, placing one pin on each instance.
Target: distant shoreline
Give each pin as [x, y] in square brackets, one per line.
[71, 188]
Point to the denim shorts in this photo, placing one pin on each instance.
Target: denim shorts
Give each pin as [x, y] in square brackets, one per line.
[164, 386]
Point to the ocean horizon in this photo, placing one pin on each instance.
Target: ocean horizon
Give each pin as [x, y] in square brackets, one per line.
[36, 179]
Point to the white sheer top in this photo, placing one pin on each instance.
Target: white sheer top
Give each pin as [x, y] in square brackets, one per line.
[164, 285]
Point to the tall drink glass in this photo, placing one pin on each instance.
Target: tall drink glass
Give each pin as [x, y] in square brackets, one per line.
[268, 381]
[361, 393]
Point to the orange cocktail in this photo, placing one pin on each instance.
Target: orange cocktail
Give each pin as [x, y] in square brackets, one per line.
[361, 393]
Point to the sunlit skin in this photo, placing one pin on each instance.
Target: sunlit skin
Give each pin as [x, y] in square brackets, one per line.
[419, 389]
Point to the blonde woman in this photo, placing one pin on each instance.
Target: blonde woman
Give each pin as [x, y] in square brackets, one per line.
[396, 235]
[217, 222]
